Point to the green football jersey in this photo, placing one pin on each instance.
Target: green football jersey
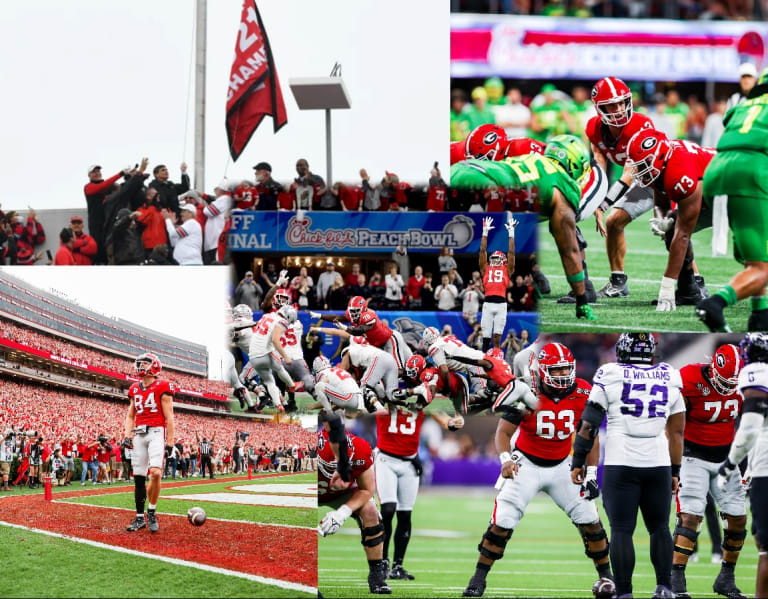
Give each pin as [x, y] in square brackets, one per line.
[533, 172]
[746, 126]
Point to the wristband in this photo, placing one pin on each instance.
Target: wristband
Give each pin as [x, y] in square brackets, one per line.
[616, 191]
[591, 473]
[579, 276]
[668, 284]
[504, 457]
[675, 470]
[344, 511]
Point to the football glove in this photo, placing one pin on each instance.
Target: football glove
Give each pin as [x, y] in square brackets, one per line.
[487, 225]
[283, 280]
[666, 301]
[315, 315]
[590, 490]
[333, 521]
[660, 226]
[340, 325]
[510, 226]
[723, 473]
[417, 465]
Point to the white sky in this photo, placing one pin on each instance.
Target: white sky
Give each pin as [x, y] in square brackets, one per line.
[185, 301]
[89, 81]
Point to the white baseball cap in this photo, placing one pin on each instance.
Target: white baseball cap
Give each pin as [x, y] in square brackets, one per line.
[190, 207]
[225, 184]
[93, 167]
[747, 68]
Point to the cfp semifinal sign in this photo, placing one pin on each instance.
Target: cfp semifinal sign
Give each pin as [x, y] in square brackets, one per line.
[372, 232]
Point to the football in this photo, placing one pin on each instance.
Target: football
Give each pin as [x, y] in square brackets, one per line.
[196, 516]
[604, 589]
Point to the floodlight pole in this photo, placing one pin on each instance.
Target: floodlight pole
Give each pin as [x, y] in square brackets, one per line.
[200, 35]
[328, 164]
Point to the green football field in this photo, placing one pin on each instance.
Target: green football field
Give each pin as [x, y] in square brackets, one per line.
[645, 262]
[544, 558]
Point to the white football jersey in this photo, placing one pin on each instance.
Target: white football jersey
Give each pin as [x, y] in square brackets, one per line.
[339, 379]
[242, 338]
[638, 400]
[363, 354]
[443, 350]
[292, 340]
[756, 376]
[261, 342]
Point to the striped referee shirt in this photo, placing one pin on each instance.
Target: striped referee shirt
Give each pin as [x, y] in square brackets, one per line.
[205, 449]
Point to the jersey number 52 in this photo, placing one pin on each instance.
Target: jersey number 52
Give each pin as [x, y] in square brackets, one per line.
[634, 394]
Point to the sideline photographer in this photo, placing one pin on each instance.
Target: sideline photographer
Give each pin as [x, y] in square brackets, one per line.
[7, 452]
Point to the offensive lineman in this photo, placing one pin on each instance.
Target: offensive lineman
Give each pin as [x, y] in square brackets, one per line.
[150, 422]
[713, 404]
[643, 402]
[753, 432]
[538, 462]
[496, 273]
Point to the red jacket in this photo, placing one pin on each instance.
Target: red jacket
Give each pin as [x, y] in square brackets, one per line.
[154, 227]
[84, 250]
[64, 257]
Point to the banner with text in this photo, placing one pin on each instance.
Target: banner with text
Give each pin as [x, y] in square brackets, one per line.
[375, 232]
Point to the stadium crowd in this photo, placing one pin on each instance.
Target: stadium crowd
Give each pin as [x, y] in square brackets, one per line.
[62, 419]
[442, 285]
[716, 10]
[71, 351]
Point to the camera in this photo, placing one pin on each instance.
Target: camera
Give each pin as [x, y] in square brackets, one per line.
[102, 439]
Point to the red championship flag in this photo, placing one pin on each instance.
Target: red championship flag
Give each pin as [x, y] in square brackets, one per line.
[254, 90]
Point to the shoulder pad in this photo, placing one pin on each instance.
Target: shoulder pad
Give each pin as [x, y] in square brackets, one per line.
[675, 380]
[608, 374]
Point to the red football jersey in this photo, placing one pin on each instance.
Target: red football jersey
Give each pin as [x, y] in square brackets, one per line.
[615, 149]
[398, 431]
[436, 198]
[360, 459]
[501, 373]
[147, 402]
[520, 146]
[380, 333]
[458, 152]
[710, 418]
[496, 281]
[683, 171]
[431, 377]
[245, 196]
[547, 433]
[494, 200]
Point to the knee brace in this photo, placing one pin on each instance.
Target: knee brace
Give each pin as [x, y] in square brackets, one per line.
[375, 534]
[594, 537]
[733, 540]
[495, 539]
[689, 534]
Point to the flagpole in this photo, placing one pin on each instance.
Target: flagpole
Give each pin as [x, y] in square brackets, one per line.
[200, 40]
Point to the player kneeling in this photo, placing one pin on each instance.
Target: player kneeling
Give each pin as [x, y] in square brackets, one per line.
[352, 499]
[539, 462]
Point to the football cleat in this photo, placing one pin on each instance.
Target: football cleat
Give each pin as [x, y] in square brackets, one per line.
[690, 295]
[240, 394]
[679, 584]
[700, 282]
[615, 287]
[589, 291]
[152, 522]
[662, 592]
[377, 579]
[604, 588]
[725, 584]
[758, 321]
[585, 311]
[475, 588]
[136, 524]
[400, 573]
[710, 312]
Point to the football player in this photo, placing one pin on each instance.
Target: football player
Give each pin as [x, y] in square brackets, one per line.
[278, 296]
[673, 171]
[753, 432]
[485, 142]
[609, 133]
[366, 322]
[378, 366]
[426, 382]
[298, 370]
[335, 387]
[643, 452]
[150, 422]
[555, 178]
[267, 336]
[496, 273]
[508, 390]
[539, 462]
[713, 403]
[354, 498]
[738, 171]
[240, 333]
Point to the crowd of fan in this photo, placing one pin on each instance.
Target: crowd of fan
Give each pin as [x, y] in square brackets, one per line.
[71, 351]
[635, 9]
[396, 290]
[56, 416]
[549, 111]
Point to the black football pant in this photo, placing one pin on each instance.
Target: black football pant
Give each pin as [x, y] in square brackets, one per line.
[206, 461]
[625, 490]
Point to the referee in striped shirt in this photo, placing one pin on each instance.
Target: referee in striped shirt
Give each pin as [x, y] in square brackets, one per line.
[206, 454]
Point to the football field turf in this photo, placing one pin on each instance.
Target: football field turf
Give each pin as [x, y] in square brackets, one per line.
[645, 262]
[544, 558]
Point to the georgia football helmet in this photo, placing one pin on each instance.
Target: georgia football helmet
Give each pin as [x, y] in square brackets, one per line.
[553, 356]
[319, 364]
[359, 340]
[355, 308]
[147, 364]
[242, 312]
[485, 142]
[570, 153]
[647, 152]
[415, 366]
[497, 259]
[429, 336]
[496, 353]
[754, 348]
[288, 312]
[635, 348]
[724, 370]
[609, 91]
[281, 298]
